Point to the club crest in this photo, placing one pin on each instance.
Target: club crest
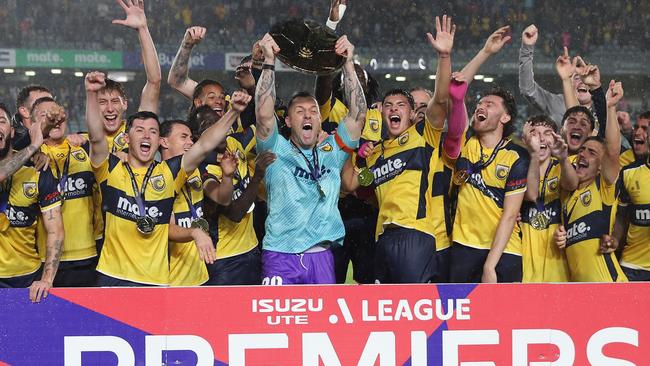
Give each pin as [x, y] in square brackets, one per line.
[585, 198]
[502, 171]
[158, 183]
[29, 189]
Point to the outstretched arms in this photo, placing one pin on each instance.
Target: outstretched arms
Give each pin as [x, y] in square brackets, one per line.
[178, 77]
[265, 91]
[94, 82]
[356, 117]
[443, 43]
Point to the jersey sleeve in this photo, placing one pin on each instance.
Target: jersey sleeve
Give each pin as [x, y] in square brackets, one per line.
[212, 172]
[179, 174]
[49, 196]
[624, 195]
[517, 177]
[608, 192]
[101, 171]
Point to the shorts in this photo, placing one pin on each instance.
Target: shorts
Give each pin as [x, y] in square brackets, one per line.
[81, 273]
[467, 265]
[23, 281]
[405, 256]
[634, 275]
[301, 268]
[242, 269]
[443, 258]
[108, 281]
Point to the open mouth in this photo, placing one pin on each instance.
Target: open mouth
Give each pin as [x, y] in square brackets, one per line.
[395, 120]
[543, 146]
[583, 89]
[145, 147]
[575, 138]
[481, 117]
[307, 127]
[639, 141]
[110, 117]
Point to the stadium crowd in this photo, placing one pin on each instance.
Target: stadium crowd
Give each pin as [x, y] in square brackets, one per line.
[412, 186]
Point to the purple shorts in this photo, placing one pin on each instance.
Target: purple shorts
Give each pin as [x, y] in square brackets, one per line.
[293, 269]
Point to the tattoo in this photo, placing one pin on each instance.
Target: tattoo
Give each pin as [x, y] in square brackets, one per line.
[10, 165]
[354, 95]
[52, 262]
[265, 97]
[180, 69]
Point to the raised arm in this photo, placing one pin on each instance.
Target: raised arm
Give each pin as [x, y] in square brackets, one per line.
[265, 91]
[531, 140]
[566, 69]
[610, 163]
[590, 75]
[136, 19]
[10, 165]
[53, 223]
[96, 135]
[457, 121]
[356, 117]
[443, 43]
[178, 77]
[216, 133]
[494, 44]
[568, 177]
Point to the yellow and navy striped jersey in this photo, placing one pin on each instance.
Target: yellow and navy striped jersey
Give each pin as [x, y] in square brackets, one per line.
[79, 208]
[27, 194]
[627, 157]
[441, 171]
[185, 266]
[333, 111]
[127, 254]
[402, 181]
[235, 238]
[588, 214]
[542, 260]
[635, 195]
[117, 141]
[481, 198]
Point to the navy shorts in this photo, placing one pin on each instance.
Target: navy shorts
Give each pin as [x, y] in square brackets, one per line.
[81, 273]
[634, 275]
[405, 256]
[242, 269]
[108, 281]
[21, 281]
[467, 265]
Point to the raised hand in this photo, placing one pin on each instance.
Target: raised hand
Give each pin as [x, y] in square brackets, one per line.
[36, 134]
[458, 86]
[530, 138]
[365, 149]
[239, 100]
[559, 149]
[344, 48]
[262, 161]
[591, 76]
[581, 65]
[497, 40]
[76, 139]
[529, 36]
[193, 36]
[564, 66]
[135, 17]
[335, 15]
[55, 116]
[269, 48]
[95, 81]
[445, 31]
[614, 93]
[229, 162]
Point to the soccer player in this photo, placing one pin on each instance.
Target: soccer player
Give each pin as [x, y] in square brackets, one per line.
[138, 194]
[22, 122]
[74, 178]
[550, 172]
[303, 184]
[588, 211]
[491, 174]
[190, 243]
[639, 150]
[27, 197]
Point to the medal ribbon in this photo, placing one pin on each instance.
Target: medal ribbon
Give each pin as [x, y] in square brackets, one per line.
[63, 175]
[314, 170]
[139, 195]
[187, 197]
[480, 165]
[4, 196]
[540, 200]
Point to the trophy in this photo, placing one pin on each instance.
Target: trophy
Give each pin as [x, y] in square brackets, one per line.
[307, 46]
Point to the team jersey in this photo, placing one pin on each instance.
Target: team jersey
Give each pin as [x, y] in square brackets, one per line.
[542, 260]
[299, 217]
[588, 214]
[402, 183]
[127, 254]
[627, 157]
[481, 198]
[117, 141]
[235, 238]
[333, 112]
[635, 195]
[440, 208]
[78, 207]
[27, 193]
[185, 266]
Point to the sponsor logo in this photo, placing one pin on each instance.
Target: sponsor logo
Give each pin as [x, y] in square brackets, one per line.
[402, 140]
[158, 183]
[79, 155]
[374, 124]
[29, 189]
[642, 215]
[502, 171]
[585, 198]
[73, 187]
[388, 170]
[476, 179]
[577, 231]
[304, 174]
[131, 210]
[17, 217]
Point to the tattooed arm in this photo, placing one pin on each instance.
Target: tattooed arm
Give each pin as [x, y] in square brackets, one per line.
[54, 248]
[265, 91]
[178, 77]
[356, 117]
[13, 162]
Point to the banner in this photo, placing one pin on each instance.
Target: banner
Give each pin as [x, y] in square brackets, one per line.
[69, 59]
[198, 60]
[233, 59]
[546, 324]
[7, 57]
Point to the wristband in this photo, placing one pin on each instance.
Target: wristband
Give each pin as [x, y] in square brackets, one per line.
[342, 144]
[331, 24]
[268, 67]
[362, 150]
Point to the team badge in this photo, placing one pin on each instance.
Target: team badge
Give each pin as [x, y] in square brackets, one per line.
[120, 140]
[402, 140]
[195, 183]
[585, 198]
[374, 125]
[326, 147]
[552, 184]
[79, 155]
[158, 183]
[29, 189]
[502, 172]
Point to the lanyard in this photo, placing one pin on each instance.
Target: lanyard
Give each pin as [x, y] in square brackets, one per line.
[4, 196]
[314, 170]
[139, 195]
[540, 199]
[566, 214]
[187, 197]
[63, 175]
[480, 165]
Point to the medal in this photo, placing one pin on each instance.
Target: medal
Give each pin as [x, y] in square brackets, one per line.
[202, 224]
[145, 225]
[461, 176]
[540, 221]
[320, 190]
[366, 177]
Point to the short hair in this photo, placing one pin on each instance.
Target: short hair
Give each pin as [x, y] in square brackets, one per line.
[112, 85]
[644, 115]
[300, 95]
[198, 90]
[543, 120]
[5, 108]
[23, 94]
[197, 121]
[580, 109]
[402, 92]
[167, 126]
[422, 89]
[141, 115]
[40, 101]
[595, 138]
[509, 104]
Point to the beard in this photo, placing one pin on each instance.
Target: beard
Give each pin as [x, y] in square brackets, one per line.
[5, 150]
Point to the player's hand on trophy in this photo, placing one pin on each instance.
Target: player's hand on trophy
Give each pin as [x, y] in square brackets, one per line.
[269, 48]
[344, 48]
